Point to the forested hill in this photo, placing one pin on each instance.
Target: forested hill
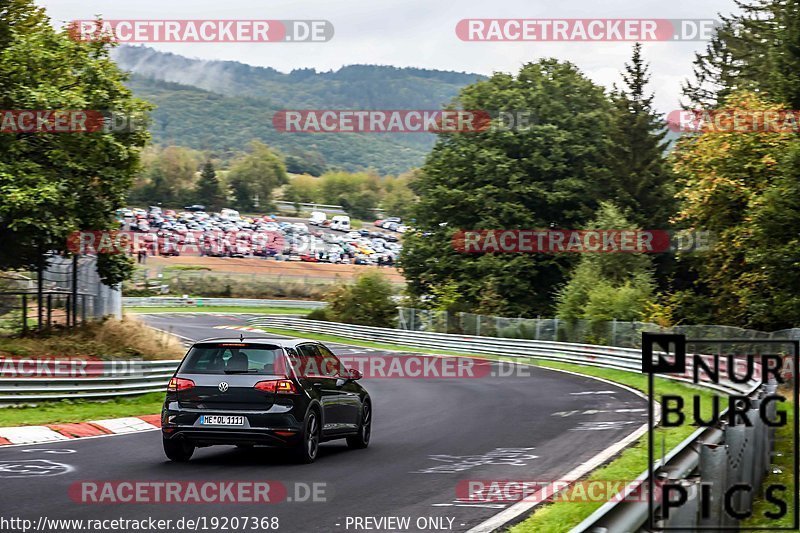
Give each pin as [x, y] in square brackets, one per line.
[222, 105]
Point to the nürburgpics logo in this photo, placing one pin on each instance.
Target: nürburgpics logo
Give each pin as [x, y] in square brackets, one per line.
[750, 384]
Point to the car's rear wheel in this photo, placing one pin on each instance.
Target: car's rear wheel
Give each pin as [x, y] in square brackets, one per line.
[178, 450]
[306, 452]
[361, 440]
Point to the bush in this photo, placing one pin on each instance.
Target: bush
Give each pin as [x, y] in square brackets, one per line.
[368, 301]
[318, 314]
[106, 339]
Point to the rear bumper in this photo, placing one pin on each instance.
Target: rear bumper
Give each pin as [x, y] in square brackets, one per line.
[266, 428]
[212, 436]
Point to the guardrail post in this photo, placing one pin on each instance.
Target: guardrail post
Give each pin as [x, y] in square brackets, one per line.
[754, 450]
[24, 314]
[685, 516]
[713, 469]
[770, 389]
[735, 439]
[614, 332]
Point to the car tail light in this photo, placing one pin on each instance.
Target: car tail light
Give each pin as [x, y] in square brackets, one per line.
[179, 384]
[279, 386]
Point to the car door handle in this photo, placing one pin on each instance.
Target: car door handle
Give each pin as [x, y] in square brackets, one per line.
[317, 385]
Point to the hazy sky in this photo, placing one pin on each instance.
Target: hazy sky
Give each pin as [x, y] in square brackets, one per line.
[421, 33]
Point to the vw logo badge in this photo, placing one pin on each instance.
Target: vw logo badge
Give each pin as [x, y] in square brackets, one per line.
[223, 387]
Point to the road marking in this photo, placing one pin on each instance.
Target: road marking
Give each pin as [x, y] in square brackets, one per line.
[485, 505]
[45, 450]
[596, 411]
[594, 392]
[33, 468]
[602, 425]
[460, 463]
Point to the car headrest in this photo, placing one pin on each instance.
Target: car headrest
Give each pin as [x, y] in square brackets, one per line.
[238, 362]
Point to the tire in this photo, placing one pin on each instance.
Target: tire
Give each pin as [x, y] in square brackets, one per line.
[308, 449]
[178, 450]
[361, 441]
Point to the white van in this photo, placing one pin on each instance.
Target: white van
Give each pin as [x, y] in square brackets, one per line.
[317, 218]
[229, 214]
[340, 223]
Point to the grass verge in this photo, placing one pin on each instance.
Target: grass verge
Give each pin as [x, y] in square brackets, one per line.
[223, 309]
[80, 410]
[784, 475]
[564, 515]
[107, 339]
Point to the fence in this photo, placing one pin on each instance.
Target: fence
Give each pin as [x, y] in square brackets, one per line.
[612, 333]
[71, 292]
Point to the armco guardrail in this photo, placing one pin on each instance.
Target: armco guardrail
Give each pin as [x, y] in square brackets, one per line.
[162, 301]
[628, 359]
[138, 377]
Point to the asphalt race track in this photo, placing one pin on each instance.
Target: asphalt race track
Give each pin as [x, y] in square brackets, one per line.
[428, 434]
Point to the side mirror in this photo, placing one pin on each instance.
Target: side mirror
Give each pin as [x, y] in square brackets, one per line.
[354, 375]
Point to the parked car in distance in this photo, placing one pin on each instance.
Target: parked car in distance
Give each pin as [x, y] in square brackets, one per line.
[340, 223]
[317, 218]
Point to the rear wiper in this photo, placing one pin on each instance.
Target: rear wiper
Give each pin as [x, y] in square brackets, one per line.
[241, 371]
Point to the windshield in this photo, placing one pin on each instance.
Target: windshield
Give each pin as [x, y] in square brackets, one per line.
[233, 359]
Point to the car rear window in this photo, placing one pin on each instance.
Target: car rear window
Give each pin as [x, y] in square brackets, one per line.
[234, 358]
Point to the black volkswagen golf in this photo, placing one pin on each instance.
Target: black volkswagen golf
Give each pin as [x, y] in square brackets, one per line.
[291, 393]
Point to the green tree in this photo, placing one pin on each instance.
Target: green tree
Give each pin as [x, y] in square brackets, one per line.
[52, 185]
[399, 199]
[302, 189]
[756, 49]
[605, 286]
[254, 175]
[168, 175]
[209, 191]
[302, 162]
[640, 182]
[549, 174]
[735, 186]
[367, 301]
[358, 193]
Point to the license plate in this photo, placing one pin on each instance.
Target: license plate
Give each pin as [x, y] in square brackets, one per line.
[221, 420]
